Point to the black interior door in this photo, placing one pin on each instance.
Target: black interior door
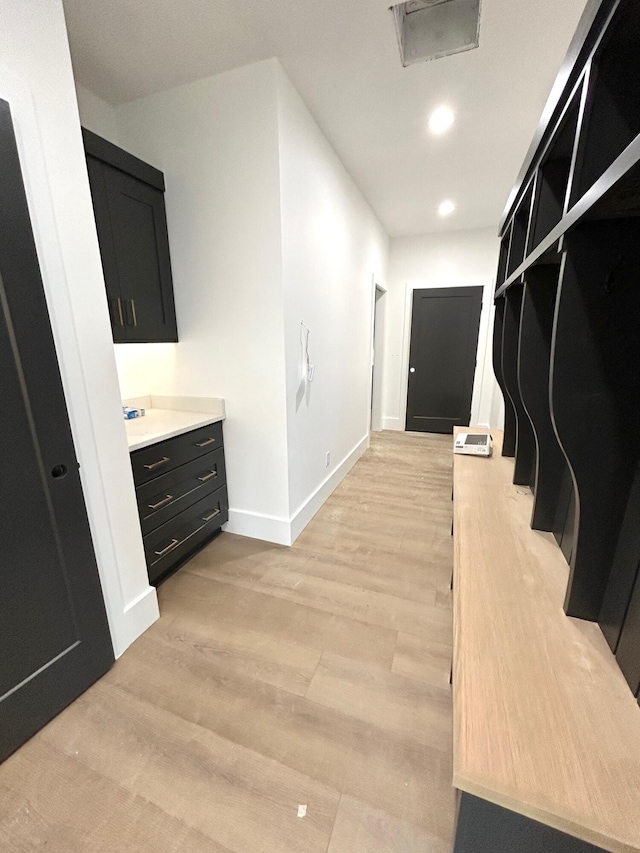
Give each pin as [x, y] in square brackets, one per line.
[53, 629]
[442, 361]
[141, 249]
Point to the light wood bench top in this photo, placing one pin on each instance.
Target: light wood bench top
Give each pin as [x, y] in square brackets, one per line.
[544, 723]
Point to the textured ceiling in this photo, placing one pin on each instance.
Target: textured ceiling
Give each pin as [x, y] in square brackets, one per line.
[343, 59]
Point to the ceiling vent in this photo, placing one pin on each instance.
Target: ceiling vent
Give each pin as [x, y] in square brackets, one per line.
[431, 29]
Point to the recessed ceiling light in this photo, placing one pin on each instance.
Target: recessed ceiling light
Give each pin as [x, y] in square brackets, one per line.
[441, 120]
[446, 208]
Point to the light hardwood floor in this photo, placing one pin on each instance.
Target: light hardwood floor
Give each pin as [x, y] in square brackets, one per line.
[315, 675]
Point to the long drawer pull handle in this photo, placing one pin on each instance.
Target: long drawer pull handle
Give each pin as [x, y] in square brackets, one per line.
[158, 463]
[163, 502]
[206, 442]
[209, 476]
[173, 544]
[212, 516]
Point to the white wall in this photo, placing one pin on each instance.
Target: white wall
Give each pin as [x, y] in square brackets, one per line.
[454, 258]
[332, 246]
[216, 141]
[266, 229]
[97, 115]
[36, 78]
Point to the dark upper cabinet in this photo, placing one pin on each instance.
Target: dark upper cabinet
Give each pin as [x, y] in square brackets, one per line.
[128, 204]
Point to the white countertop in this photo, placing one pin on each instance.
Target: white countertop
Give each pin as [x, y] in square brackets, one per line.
[167, 417]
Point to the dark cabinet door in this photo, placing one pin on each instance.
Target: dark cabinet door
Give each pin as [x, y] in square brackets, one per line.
[54, 635]
[100, 200]
[129, 209]
[141, 250]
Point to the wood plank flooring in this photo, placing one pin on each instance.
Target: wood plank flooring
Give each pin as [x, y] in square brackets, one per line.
[314, 675]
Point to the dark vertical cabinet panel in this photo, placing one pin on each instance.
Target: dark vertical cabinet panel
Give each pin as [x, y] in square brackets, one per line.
[596, 394]
[141, 248]
[134, 244]
[55, 638]
[628, 651]
[98, 184]
[525, 454]
[534, 358]
[623, 571]
[509, 441]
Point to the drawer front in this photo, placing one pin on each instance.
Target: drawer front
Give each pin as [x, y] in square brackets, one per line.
[151, 462]
[171, 543]
[164, 497]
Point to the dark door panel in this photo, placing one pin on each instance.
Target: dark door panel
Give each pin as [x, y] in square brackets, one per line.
[444, 342]
[129, 210]
[53, 627]
[141, 249]
[100, 200]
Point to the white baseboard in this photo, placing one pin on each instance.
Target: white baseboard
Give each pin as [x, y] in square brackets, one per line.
[310, 507]
[393, 423]
[285, 531]
[255, 525]
[138, 615]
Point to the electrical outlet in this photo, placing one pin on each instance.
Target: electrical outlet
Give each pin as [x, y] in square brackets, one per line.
[328, 460]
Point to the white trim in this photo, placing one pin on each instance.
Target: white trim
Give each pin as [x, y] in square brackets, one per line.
[376, 385]
[138, 615]
[393, 423]
[285, 531]
[255, 525]
[303, 515]
[88, 372]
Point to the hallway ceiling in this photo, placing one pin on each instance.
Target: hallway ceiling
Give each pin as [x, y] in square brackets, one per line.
[343, 59]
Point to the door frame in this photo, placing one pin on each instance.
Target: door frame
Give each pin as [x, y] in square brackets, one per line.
[486, 327]
[378, 311]
[74, 290]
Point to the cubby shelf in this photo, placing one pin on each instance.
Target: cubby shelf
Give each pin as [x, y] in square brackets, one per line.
[566, 349]
[595, 394]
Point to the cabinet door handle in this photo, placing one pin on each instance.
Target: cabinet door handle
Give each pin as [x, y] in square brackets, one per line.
[212, 515]
[173, 544]
[206, 442]
[208, 476]
[120, 315]
[163, 502]
[157, 464]
[133, 311]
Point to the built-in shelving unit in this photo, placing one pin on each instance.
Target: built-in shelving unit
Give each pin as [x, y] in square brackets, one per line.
[566, 350]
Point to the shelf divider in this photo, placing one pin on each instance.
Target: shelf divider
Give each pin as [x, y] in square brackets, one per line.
[509, 441]
[534, 356]
[595, 394]
[525, 451]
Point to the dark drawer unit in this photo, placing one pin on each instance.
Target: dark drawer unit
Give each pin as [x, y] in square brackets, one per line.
[149, 462]
[161, 498]
[169, 545]
[182, 496]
